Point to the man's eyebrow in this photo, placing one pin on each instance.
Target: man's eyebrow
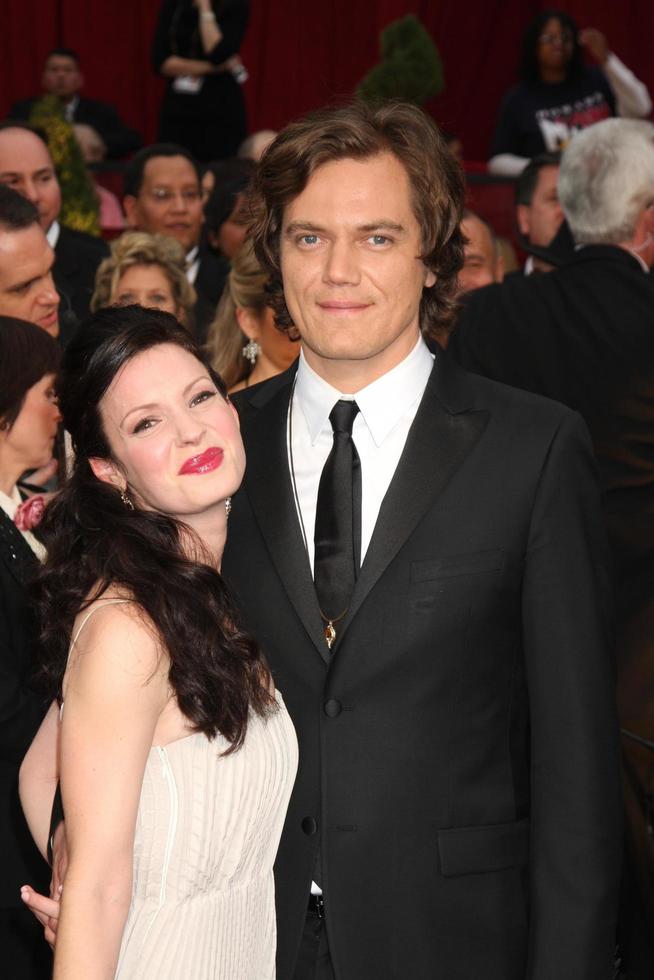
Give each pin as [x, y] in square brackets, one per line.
[296, 226]
[18, 286]
[382, 224]
[141, 408]
[18, 173]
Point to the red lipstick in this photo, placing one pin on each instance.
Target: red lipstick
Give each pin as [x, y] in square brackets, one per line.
[207, 461]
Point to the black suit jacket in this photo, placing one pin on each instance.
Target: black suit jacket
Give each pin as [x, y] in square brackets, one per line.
[21, 713]
[458, 751]
[583, 334]
[119, 138]
[77, 257]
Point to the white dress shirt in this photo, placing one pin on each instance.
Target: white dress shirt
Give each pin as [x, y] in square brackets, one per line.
[387, 407]
[192, 264]
[52, 234]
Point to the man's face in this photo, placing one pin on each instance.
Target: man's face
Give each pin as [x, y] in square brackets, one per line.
[169, 202]
[353, 279]
[481, 265]
[26, 166]
[26, 287]
[540, 220]
[62, 77]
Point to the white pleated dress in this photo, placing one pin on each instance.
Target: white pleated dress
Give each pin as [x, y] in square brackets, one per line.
[207, 832]
[208, 827]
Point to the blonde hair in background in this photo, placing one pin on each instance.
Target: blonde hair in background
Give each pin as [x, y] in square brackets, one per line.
[141, 248]
[245, 288]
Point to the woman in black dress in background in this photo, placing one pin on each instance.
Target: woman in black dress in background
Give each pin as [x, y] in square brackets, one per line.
[203, 107]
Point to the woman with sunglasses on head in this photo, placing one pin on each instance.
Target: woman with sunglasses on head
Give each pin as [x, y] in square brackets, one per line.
[558, 94]
[176, 755]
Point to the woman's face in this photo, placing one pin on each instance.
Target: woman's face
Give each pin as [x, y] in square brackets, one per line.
[147, 285]
[175, 441]
[30, 440]
[554, 45]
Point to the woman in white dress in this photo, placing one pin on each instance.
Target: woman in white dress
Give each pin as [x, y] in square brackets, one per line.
[176, 754]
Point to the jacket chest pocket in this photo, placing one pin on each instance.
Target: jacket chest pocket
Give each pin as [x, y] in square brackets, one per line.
[453, 566]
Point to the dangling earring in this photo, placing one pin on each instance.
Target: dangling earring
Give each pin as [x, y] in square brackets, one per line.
[251, 351]
[228, 506]
[124, 496]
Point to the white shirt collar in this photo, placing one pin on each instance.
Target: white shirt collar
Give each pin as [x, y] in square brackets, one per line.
[381, 404]
[192, 264]
[52, 234]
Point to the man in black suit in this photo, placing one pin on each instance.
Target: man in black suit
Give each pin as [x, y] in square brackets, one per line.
[583, 334]
[26, 165]
[62, 77]
[449, 672]
[538, 211]
[163, 194]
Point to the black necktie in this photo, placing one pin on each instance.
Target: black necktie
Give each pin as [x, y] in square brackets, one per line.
[337, 535]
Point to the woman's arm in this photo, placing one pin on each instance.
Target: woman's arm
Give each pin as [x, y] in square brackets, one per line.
[174, 66]
[115, 689]
[631, 95]
[507, 165]
[38, 778]
[210, 32]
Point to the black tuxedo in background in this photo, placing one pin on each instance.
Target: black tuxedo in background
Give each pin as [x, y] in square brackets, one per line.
[77, 257]
[584, 334]
[458, 751]
[24, 951]
[118, 138]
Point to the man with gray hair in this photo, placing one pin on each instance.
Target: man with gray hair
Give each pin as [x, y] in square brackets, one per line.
[583, 335]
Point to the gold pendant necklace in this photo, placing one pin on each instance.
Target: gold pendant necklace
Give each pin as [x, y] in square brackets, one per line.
[329, 632]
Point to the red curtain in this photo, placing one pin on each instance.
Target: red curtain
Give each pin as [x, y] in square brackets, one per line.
[301, 55]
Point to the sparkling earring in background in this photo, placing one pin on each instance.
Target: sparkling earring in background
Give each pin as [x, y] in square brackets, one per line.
[251, 351]
[228, 505]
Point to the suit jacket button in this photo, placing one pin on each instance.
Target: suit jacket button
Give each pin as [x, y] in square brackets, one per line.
[333, 708]
[309, 826]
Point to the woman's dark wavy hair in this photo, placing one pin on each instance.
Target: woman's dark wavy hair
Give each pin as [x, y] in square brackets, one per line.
[529, 68]
[359, 131]
[94, 541]
[27, 354]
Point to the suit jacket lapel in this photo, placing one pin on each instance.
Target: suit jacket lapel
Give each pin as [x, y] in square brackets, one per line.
[443, 433]
[269, 488]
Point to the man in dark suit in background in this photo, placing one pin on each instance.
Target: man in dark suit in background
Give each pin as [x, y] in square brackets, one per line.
[27, 167]
[583, 334]
[421, 555]
[62, 77]
[27, 290]
[163, 194]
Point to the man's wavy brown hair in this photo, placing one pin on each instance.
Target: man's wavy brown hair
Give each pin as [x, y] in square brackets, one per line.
[358, 131]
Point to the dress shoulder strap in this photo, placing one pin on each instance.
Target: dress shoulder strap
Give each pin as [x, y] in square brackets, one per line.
[101, 605]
